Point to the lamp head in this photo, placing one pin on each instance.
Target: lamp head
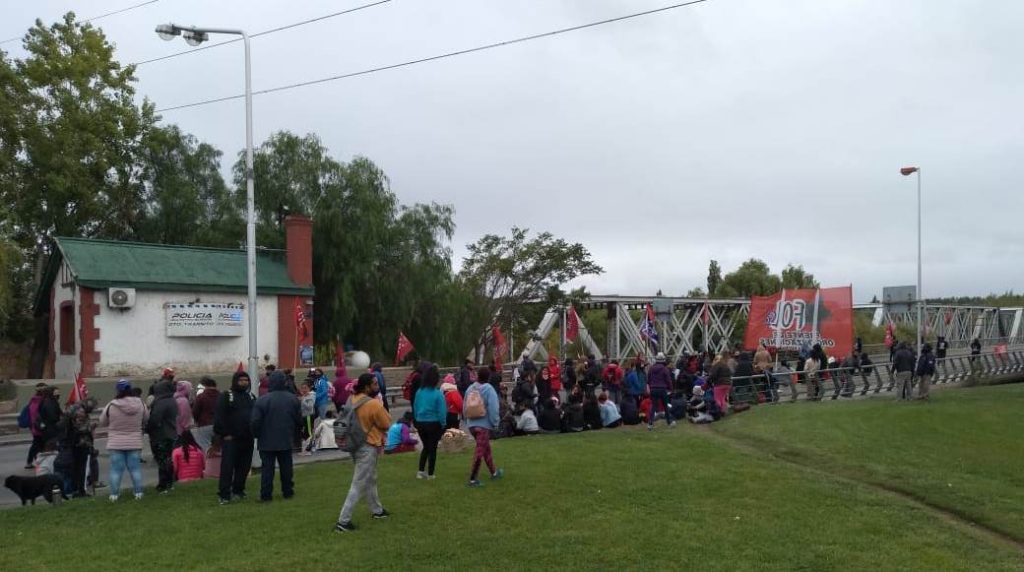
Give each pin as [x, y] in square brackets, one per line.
[167, 32]
[194, 38]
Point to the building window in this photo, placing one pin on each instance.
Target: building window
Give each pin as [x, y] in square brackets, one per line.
[67, 328]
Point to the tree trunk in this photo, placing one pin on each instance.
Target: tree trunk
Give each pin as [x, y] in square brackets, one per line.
[40, 347]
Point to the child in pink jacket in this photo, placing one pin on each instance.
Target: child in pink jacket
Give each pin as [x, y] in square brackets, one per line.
[188, 459]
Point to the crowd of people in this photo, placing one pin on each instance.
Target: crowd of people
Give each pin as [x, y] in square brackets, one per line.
[197, 432]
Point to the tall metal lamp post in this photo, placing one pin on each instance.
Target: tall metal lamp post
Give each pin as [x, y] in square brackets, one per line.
[906, 171]
[195, 36]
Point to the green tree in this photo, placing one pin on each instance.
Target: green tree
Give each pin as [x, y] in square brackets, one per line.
[714, 277]
[509, 272]
[697, 292]
[10, 262]
[185, 198]
[292, 175]
[80, 132]
[797, 277]
[752, 278]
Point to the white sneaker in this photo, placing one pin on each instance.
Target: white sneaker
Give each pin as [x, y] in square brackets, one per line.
[138, 496]
[113, 498]
[421, 475]
[430, 477]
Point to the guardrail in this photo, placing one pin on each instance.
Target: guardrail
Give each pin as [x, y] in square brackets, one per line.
[844, 381]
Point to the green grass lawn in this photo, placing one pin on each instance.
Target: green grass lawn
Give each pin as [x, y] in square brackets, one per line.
[621, 499]
[962, 451]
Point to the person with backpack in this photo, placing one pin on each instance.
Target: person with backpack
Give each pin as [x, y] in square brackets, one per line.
[360, 428]
[481, 411]
[27, 419]
[431, 415]
[232, 424]
[453, 399]
[276, 420]
[925, 371]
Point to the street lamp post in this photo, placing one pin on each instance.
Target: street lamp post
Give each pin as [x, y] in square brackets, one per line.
[905, 171]
[195, 36]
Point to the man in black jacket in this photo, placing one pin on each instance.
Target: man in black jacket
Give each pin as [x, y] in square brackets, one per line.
[276, 419]
[163, 429]
[232, 424]
[903, 366]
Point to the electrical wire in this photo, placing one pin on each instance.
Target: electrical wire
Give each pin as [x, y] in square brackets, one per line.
[94, 18]
[263, 33]
[436, 57]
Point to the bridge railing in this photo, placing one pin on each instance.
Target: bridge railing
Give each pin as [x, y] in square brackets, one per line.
[841, 381]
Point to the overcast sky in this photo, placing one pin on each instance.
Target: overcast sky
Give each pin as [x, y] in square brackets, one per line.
[727, 130]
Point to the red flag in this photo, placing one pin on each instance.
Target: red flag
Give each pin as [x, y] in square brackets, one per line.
[704, 315]
[79, 391]
[241, 367]
[404, 347]
[572, 326]
[889, 336]
[500, 345]
[339, 355]
[300, 321]
[908, 171]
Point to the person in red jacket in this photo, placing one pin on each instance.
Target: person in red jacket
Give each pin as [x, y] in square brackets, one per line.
[556, 378]
[612, 377]
[188, 459]
[453, 401]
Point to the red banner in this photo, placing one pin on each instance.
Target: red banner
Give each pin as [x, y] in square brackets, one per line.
[500, 346]
[790, 318]
[572, 326]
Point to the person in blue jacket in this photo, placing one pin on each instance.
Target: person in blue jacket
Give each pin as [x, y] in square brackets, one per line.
[431, 414]
[480, 408]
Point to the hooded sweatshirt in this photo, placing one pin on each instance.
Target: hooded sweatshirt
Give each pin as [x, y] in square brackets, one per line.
[276, 417]
[163, 415]
[659, 377]
[182, 392]
[125, 418]
[234, 411]
[342, 387]
[205, 406]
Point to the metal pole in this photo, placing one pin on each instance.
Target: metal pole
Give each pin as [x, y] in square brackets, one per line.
[920, 293]
[250, 226]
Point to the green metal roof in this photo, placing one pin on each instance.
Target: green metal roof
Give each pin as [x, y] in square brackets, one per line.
[107, 263]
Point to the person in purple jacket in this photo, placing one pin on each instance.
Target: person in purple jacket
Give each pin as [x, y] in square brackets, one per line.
[659, 380]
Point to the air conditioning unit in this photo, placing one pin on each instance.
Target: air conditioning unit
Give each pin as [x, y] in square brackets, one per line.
[121, 297]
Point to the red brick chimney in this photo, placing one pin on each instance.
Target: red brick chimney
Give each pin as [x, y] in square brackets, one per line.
[299, 242]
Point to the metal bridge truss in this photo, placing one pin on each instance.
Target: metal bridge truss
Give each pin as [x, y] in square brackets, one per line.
[959, 324]
[683, 330]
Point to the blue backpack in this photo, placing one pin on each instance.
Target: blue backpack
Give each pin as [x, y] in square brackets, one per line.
[24, 418]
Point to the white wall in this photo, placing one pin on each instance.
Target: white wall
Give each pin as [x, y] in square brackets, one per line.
[133, 341]
[65, 366]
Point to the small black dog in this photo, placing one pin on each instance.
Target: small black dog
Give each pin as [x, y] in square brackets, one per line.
[28, 488]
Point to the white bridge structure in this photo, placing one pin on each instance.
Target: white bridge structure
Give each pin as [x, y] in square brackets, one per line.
[685, 327]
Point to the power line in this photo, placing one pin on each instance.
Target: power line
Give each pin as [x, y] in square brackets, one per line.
[94, 18]
[435, 58]
[263, 33]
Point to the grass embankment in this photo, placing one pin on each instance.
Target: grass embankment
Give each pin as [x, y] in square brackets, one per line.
[962, 451]
[622, 499]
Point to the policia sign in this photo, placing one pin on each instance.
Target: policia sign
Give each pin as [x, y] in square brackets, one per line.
[208, 319]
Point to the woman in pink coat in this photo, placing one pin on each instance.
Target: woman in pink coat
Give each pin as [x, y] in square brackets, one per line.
[183, 397]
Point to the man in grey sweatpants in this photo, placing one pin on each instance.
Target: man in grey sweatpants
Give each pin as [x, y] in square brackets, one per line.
[375, 420]
[903, 364]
